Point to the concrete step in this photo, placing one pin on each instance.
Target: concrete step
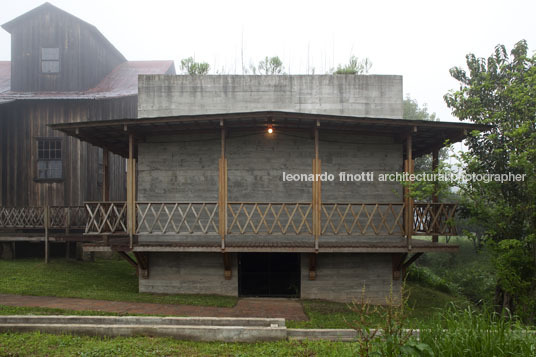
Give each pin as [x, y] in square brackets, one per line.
[191, 333]
[185, 328]
[322, 334]
[143, 320]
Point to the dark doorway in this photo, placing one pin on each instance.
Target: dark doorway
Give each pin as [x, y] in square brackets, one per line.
[269, 274]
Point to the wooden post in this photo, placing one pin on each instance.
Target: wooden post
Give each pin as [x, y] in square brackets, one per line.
[317, 193]
[46, 224]
[106, 181]
[227, 266]
[131, 208]
[435, 198]
[105, 175]
[222, 190]
[67, 220]
[409, 200]
[312, 266]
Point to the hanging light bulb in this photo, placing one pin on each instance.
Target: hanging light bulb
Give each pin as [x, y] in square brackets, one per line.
[270, 129]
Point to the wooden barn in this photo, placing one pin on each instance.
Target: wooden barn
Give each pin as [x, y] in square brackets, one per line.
[62, 70]
[210, 205]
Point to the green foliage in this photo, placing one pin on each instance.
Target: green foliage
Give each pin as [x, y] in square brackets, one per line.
[426, 277]
[269, 66]
[392, 338]
[423, 301]
[102, 279]
[414, 111]
[456, 332]
[354, 66]
[191, 67]
[501, 91]
[469, 272]
[23, 310]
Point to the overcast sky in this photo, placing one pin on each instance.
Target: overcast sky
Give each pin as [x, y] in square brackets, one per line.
[420, 40]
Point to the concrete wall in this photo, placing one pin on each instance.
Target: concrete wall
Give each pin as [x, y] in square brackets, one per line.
[341, 277]
[179, 168]
[363, 95]
[185, 168]
[189, 273]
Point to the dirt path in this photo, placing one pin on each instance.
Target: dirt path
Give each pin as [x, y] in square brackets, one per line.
[246, 307]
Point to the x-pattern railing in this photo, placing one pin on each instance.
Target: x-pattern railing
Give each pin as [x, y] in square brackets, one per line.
[434, 218]
[362, 218]
[270, 218]
[273, 218]
[72, 217]
[64, 217]
[22, 217]
[106, 217]
[177, 217]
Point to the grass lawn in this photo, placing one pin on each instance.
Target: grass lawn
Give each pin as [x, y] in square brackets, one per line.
[103, 279]
[116, 280]
[36, 344]
[423, 304]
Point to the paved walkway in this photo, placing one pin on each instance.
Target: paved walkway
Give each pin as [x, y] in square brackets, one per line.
[246, 307]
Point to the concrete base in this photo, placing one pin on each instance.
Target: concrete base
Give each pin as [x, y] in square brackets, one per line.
[341, 277]
[184, 328]
[193, 329]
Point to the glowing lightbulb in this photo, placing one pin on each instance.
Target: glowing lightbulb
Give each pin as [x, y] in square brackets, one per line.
[270, 129]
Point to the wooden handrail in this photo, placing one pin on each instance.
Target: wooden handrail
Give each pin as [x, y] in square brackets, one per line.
[243, 218]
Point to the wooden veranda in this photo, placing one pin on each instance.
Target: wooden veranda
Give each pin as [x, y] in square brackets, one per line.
[229, 226]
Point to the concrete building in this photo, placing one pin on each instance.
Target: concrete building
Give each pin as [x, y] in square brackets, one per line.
[211, 208]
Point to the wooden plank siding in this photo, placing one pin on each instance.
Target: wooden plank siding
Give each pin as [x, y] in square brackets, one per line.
[22, 122]
[85, 55]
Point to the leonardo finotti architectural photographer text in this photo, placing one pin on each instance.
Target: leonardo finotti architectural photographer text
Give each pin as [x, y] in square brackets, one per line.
[370, 176]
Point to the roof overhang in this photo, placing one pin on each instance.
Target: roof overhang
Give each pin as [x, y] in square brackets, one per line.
[113, 134]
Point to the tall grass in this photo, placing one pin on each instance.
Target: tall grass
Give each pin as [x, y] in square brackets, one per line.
[468, 332]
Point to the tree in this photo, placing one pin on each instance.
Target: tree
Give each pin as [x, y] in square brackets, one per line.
[270, 65]
[355, 66]
[191, 67]
[501, 91]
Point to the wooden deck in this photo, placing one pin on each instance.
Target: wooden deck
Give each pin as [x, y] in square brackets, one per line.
[419, 246]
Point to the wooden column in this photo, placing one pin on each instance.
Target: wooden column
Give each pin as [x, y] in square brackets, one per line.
[435, 198]
[46, 223]
[409, 201]
[131, 195]
[105, 175]
[222, 190]
[317, 192]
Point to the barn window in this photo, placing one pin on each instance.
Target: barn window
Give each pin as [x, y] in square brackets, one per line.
[49, 159]
[50, 60]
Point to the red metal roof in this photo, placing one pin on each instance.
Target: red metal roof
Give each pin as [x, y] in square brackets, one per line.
[121, 82]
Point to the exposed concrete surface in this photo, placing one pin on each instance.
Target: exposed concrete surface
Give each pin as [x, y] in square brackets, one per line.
[322, 334]
[195, 329]
[142, 320]
[356, 95]
[342, 277]
[188, 273]
[194, 333]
